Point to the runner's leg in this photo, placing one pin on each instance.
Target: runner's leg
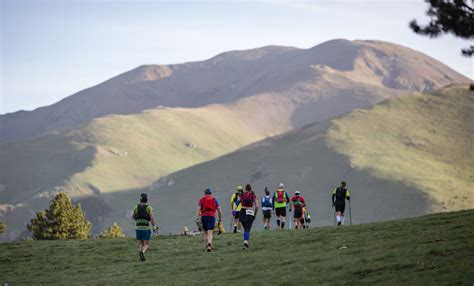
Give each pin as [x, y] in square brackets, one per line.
[146, 244]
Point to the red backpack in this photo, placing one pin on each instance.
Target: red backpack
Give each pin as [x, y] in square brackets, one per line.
[247, 198]
[208, 204]
[280, 197]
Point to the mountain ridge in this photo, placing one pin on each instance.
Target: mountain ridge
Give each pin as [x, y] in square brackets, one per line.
[223, 79]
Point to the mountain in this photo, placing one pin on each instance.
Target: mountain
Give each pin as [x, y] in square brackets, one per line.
[323, 71]
[109, 141]
[430, 250]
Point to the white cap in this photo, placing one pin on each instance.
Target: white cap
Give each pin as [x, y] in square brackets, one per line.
[297, 192]
[281, 185]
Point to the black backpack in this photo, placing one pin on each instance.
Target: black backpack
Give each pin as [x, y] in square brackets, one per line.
[142, 213]
[340, 194]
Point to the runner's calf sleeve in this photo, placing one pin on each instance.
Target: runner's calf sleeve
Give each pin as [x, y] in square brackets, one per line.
[246, 235]
[342, 218]
[282, 224]
[278, 222]
[338, 218]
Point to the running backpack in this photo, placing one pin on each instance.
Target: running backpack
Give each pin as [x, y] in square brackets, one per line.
[280, 197]
[142, 213]
[266, 202]
[298, 203]
[340, 194]
[209, 204]
[247, 199]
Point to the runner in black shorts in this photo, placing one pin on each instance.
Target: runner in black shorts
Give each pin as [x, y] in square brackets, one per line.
[280, 200]
[267, 214]
[340, 207]
[297, 204]
[280, 212]
[339, 197]
[248, 211]
[267, 207]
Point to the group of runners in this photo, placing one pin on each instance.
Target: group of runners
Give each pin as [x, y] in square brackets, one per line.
[245, 205]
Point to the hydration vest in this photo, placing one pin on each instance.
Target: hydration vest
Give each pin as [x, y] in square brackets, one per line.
[340, 194]
[298, 204]
[266, 202]
[280, 197]
[209, 204]
[247, 198]
[142, 216]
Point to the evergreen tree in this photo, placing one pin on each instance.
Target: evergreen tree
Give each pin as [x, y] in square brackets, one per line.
[449, 16]
[3, 227]
[114, 231]
[61, 221]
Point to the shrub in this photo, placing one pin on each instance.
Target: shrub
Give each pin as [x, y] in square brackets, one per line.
[114, 231]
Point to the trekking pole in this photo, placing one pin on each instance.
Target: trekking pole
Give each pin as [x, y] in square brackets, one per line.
[290, 217]
[350, 213]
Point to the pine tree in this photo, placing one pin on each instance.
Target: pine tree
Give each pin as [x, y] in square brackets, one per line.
[449, 16]
[61, 221]
[3, 227]
[114, 231]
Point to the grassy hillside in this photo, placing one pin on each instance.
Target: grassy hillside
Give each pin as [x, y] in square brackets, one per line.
[306, 160]
[431, 250]
[211, 108]
[128, 152]
[425, 141]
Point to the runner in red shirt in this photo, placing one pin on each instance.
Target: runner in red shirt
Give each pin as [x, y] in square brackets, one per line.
[206, 212]
[297, 204]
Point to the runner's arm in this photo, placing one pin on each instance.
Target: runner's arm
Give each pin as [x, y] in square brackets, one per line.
[348, 195]
[219, 213]
[152, 219]
[198, 212]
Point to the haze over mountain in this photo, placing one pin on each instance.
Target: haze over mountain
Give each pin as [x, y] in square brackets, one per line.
[324, 70]
[104, 144]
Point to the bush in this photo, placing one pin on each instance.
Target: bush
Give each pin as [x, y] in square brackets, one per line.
[3, 227]
[61, 221]
[114, 231]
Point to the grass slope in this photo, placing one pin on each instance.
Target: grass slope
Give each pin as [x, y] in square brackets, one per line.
[431, 250]
[424, 141]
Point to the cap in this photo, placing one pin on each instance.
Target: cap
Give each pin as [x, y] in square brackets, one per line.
[239, 188]
[281, 185]
[297, 192]
[143, 198]
[343, 183]
[208, 191]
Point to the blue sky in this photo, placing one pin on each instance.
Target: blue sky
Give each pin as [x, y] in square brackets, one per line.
[52, 49]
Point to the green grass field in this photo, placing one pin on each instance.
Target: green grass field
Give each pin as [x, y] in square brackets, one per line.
[432, 250]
